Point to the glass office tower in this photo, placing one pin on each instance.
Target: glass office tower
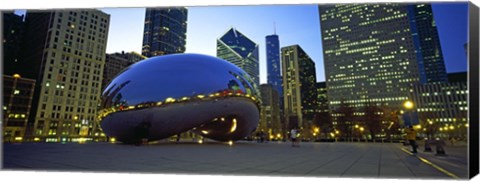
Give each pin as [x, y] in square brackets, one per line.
[427, 44]
[273, 63]
[299, 87]
[165, 31]
[238, 49]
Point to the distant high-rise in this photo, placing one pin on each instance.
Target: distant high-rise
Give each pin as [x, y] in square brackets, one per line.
[322, 101]
[165, 31]
[270, 121]
[274, 76]
[13, 28]
[299, 91]
[17, 99]
[430, 61]
[116, 62]
[238, 49]
[377, 52]
[443, 106]
[65, 54]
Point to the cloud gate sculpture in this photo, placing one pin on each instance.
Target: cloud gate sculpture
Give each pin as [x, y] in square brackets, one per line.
[167, 95]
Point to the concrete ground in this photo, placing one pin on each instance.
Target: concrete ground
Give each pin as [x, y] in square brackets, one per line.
[351, 160]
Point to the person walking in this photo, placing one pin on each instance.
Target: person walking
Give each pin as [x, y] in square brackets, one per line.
[411, 137]
[293, 136]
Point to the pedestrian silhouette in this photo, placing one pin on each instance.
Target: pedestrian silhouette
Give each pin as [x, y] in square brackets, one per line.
[411, 137]
[142, 132]
[293, 136]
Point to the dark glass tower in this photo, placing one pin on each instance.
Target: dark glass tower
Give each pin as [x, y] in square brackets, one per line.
[164, 31]
[238, 49]
[13, 28]
[273, 63]
[299, 84]
[431, 65]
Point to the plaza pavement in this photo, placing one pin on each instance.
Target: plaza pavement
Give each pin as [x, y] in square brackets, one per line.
[351, 160]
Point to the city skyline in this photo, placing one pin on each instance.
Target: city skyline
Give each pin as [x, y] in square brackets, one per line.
[450, 17]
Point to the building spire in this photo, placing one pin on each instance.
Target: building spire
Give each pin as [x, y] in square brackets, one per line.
[274, 28]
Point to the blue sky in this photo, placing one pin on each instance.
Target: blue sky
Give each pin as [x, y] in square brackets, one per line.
[295, 24]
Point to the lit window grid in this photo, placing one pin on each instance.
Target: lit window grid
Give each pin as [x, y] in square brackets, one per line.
[64, 75]
[378, 57]
[443, 103]
[16, 107]
[299, 80]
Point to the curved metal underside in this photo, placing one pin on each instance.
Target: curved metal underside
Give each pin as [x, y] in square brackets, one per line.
[224, 120]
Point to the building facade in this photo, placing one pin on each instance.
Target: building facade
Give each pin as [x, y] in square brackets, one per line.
[274, 76]
[165, 31]
[13, 28]
[270, 121]
[238, 49]
[322, 101]
[299, 91]
[17, 100]
[442, 108]
[371, 53]
[66, 56]
[116, 62]
[431, 64]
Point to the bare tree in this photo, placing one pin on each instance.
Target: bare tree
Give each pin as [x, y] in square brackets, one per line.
[392, 125]
[372, 119]
[345, 120]
[324, 121]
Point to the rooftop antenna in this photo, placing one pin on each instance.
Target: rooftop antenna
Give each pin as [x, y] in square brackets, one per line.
[274, 28]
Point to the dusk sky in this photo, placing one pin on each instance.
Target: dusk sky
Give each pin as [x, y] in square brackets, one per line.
[295, 24]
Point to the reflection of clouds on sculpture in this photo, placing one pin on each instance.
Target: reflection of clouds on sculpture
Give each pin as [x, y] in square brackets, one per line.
[177, 93]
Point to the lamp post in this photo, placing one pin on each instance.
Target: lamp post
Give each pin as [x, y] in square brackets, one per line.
[361, 133]
[409, 106]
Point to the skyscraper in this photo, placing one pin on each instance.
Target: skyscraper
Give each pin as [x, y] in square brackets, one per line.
[165, 31]
[273, 63]
[65, 55]
[299, 91]
[238, 49]
[17, 99]
[377, 52]
[430, 61]
[322, 101]
[270, 121]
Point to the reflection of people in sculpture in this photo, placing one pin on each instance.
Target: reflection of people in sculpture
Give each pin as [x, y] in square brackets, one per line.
[142, 130]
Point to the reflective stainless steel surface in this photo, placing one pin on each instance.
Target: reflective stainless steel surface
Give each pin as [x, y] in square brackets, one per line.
[171, 94]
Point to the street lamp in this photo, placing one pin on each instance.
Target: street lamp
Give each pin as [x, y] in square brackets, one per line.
[361, 133]
[408, 104]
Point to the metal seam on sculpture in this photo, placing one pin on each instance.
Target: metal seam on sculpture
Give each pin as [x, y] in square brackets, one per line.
[104, 113]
